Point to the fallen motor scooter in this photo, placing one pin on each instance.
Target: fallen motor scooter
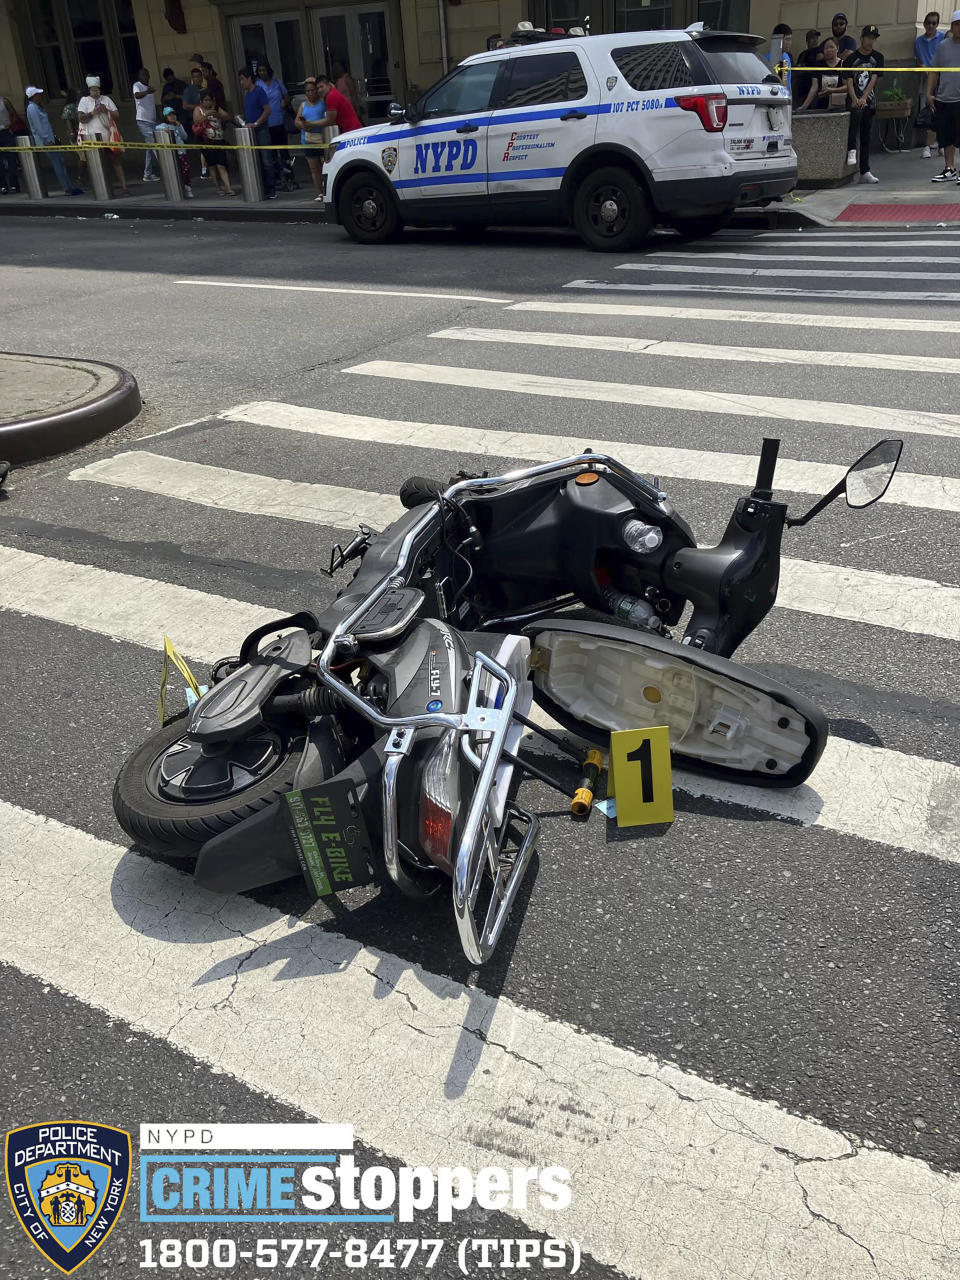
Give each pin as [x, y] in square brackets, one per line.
[384, 731]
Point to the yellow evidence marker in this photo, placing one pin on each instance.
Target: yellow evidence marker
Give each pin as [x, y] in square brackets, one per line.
[640, 776]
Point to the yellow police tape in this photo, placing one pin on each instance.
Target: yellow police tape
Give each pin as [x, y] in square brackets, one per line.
[111, 145]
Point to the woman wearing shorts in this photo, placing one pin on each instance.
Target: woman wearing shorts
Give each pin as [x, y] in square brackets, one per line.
[312, 110]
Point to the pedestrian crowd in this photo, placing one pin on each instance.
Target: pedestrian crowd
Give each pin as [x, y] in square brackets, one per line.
[838, 74]
[195, 112]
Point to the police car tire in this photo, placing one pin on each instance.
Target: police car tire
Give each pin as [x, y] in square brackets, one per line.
[391, 223]
[699, 227]
[164, 826]
[637, 220]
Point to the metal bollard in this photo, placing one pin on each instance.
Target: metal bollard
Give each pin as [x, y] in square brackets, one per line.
[169, 168]
[98, 175]
[33, 175]
[251, 177]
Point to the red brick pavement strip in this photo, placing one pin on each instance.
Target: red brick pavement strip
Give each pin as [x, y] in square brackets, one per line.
[900, 213]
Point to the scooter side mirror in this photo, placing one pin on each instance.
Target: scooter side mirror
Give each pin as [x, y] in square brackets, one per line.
[396, 111]
[866, 481]
[869, 477]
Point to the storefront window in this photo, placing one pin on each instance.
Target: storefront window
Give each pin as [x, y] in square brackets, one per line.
[51, 70]
[725, 15]
[643, 17]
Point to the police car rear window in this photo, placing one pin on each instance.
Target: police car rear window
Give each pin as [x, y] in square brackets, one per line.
[733, 61]
[545, 77]
[653, 66]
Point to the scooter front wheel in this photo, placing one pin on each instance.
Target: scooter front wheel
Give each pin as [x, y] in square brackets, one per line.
[169, 798]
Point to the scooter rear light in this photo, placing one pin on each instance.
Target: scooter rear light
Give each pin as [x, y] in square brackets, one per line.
[437, 799]
[710, 107]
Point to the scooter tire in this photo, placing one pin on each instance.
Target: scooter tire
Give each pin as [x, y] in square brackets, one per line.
[163, 826]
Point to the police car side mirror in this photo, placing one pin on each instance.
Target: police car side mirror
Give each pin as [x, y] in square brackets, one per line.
[396, 112]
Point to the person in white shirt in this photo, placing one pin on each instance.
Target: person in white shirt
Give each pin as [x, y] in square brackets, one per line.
[96, 113]
[146, 100]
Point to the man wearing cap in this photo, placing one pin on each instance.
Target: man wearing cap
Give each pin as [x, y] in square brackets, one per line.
[864, 69]
[943, 98]
[809, 58]
[845, 43]
[42, 135]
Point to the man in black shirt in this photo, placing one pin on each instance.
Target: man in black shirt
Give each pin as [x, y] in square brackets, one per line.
[809, 58]
[864, 69]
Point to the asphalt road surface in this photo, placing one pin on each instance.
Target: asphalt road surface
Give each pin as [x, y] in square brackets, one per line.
[739, 1033]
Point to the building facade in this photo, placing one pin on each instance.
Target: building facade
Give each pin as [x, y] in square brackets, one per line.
[392, 48]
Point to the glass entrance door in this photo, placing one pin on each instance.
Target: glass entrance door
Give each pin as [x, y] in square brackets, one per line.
[277, 39]
[358, 42]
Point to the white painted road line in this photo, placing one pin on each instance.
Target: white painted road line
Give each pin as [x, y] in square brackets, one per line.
[766, 291]
[934, 493]
[640, 310]
[684, 399]
[898, 800]
[124, 606]
[647, 1144]
[908, 604]
[704, 351]
[317, 288]
[243, 491]
[708, 254]
[852, 238]
[788, 270]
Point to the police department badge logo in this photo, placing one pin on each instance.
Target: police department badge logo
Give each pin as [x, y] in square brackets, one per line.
[611, 82]
[68, 1182]
[388, 157]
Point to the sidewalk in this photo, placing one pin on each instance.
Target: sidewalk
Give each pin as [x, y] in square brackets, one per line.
[146, 200]
[49, 404]
[904, 196]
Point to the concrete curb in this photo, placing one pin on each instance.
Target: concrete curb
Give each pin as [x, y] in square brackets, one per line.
[58, 430]
[187, 212]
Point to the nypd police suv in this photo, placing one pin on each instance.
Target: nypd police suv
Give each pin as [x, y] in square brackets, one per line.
[611, 133]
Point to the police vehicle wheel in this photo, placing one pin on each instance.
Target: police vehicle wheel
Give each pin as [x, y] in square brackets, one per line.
[368, 210]
[698, 228]
[611, 210]
[152, 799]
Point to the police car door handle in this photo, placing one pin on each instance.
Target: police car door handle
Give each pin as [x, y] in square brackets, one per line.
[574, 115]
[468, 128]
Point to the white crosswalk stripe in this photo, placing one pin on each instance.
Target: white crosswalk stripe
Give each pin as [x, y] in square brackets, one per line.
[782, 269]
[808, 320]
[766, 291]
[242, 491]
[708, 255]
[940, 493]
[702, 350]
[829, 413]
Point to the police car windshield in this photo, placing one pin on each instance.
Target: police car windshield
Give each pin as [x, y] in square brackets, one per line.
[734, 62]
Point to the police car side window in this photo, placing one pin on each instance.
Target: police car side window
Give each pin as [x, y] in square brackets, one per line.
[545, 77]
[467, 90]
[653, 66]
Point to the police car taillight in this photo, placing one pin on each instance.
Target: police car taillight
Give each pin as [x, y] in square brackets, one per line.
[710, 107]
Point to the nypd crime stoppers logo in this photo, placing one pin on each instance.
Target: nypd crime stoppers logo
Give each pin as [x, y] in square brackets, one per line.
[68, 1182]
